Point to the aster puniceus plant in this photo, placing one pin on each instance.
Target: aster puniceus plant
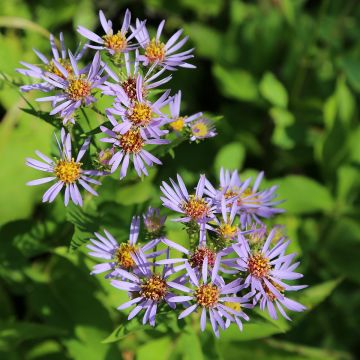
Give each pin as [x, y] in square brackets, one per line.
[127, 80]
[66, 171]
[75, 88]
[159, 53]
[113, 42]
[201, 129]
[120, 255]
[139, 113]
[212, 296]
[48, 65]
[148, 290]
[195, 208]
[253, 204]
[265, 268]
[130, 146]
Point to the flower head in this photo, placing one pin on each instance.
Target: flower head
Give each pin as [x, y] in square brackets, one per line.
[159, 53]
[153, 221]
[120, 256]
[66, 171]
[147, 289]
[113, 42]
[211, 296]
[75, 89]
[202, 129]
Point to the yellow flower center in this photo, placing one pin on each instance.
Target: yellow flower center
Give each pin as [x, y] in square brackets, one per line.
[207, 295]
[233, 305]
[51, 67]
[68, 171]
[200, 129]
[246, 193]
[178, 124]
[78, 88]
[155, 288]
[123, 255]
[196, 208]
[155, 51]
[258, 265]
[226, 231]
[140, 114]
[131, 141]
[116, 42]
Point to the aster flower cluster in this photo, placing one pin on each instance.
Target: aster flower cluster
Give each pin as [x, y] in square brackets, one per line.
[129, 67]
[232, 262]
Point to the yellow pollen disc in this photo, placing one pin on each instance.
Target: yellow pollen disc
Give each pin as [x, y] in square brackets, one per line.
[68, 171]
[116, 42]
[233, 305]
[123, 255]
[258, 265]
[195, 208]
[51, 67]
[140, 114]
[178, 124]
[78, 88]
[226, 231]
[269, 293]
[155, 288]
[155, 51]
[131, 141]
[200, 129]
[207, 295]
[230, 193]
[248, 192]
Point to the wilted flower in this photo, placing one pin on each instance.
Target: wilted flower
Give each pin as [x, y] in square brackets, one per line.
[121, 255]
[38, 72]
[65, 171]
[153, 221]
[112, 42]
[163, 54]
[75, 88]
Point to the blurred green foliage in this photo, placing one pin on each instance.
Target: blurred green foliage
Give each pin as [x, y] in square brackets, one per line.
[285, 75]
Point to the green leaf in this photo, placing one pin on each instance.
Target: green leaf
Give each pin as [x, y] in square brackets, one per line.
[303, 195]
[282, 119]
[273, 90]
[236, 84]
[127, 328]
[351, 67]
[231, 157]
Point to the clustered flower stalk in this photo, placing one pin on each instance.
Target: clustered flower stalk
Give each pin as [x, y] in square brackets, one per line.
[130, 67]
[236, 263]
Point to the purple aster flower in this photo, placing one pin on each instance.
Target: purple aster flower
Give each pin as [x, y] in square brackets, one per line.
[130, 146]
[66, 171]
[48, 66]
[139, 113]
[113, 43]
[213, 297]
[194, 208]
[120, 256]
[153, 221]
[75, 89]
[202, 129]
[177, 122]
[162, 54]
[128, 81]
[147, 290]
[266, 269]
[252, 203]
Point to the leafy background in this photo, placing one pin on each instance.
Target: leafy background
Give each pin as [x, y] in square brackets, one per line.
[285, 74]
